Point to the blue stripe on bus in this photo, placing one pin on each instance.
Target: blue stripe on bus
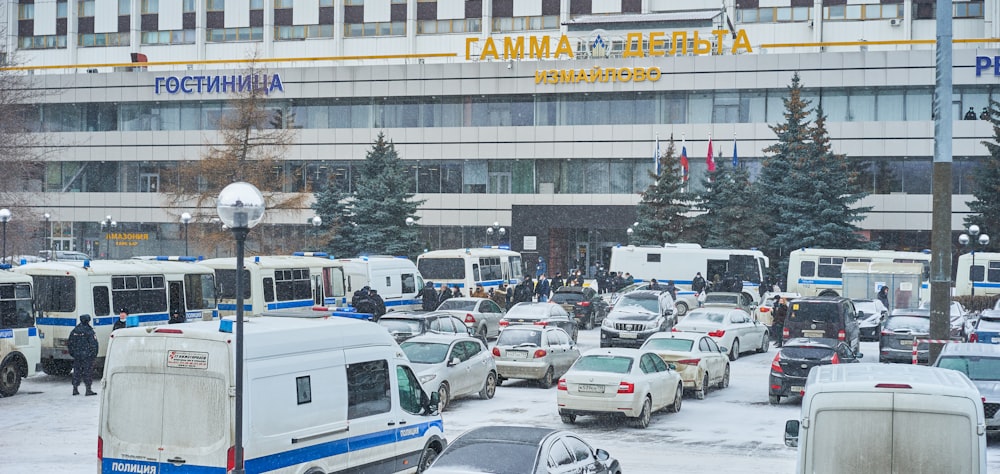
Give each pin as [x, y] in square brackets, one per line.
[983, 284]
[484, 283]
[389, 304]
[283, 459]
[810, 281]
[6, 333]
[102, 321]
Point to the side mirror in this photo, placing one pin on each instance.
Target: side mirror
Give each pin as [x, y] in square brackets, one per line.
[454, 361]
[858, 357]
[602, 455]
[792, 433]
[434, 403]
[724, 349]
[672, 367]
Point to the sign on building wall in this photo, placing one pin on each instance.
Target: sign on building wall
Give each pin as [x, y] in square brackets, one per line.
[530, 242]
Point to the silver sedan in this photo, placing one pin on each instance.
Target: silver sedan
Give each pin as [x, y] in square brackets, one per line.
[453, 366]
[534, 352]
[480, 314]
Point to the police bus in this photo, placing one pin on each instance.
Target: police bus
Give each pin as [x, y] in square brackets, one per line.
[278, 282]
[984, 276]
[150, 290]
[20, 346]
[466, 268]
[680, 262]
[817, 272]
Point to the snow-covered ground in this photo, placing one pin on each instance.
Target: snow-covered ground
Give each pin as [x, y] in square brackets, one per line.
[43, 429]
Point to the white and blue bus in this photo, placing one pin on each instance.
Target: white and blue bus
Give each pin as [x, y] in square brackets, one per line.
[278, 282]
[984, 276]
[680, 262]
[20, 346]
[817, 272]
[149, 290]
[466, 268]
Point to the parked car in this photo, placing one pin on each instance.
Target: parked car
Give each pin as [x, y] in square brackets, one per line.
[961, 322]
[480, 314]
[619, 382]
[405, 324]
[763, 311]
[741, 300]
[520, 450]
[453, 366]
[700, 362]
[797, 357]
[730, 326]
[583, 303]
[541, 353]
[871, 315]
[540, 314]
[685, 299]
[987, 329]
[981, 363]
[637, 316]
[898, 333]
[832, 317]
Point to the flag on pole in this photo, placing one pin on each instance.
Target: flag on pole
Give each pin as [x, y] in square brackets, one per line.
[684, 160]
[736, 159]
[709, 160]
[656, 156]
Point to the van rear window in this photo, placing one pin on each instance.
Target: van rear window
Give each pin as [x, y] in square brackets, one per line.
[824, 312]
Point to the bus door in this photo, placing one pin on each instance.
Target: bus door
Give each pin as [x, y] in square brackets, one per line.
[319, 297]
[746, 267]
[175, 298]
[716, 270]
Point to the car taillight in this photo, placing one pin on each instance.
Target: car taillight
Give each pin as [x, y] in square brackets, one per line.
[835, 359]
[504, 323]
[973, 337]
[893, 385]
[169, 331]
[674, 329]
[841, 335]
[469, 318]
[541, 323]
[231, 459]
[717, 333]
[886, 332]
[776, 364]
[100, 446]
[584, 303]
[764, 309]
[785, 333]
[688, 361]
[561, 385]
[540, 353]
[496, 352]
[625, 387]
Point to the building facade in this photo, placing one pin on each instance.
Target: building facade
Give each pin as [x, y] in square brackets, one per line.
[541, 116]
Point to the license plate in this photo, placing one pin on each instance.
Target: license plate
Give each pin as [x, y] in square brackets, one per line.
[628, 335]
[517, 354]
[591, 388]
[796, 388]
[906, 342]
[808, 333]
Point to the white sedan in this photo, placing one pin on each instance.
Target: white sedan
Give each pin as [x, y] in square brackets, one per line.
[616, 381]
[480, 314]
[454, 366]
[732, 328]
[696, 357]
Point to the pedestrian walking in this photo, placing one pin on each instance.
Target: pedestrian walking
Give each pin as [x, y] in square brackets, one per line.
[698, 283]
[82, 345]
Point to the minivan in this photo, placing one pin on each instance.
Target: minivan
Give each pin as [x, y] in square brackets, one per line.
[831, 317]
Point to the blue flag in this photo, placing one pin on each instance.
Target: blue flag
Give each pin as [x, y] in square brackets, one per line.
[656, 156]
[736, 159]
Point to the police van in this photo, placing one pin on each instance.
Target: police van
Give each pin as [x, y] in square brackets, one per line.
[395, 278]
[20, 346]
[321, 395]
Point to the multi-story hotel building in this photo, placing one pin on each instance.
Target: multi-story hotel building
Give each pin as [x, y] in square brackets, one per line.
[539, 115]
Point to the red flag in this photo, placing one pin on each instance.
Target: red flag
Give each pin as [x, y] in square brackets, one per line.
[684, 162]
[709, 160]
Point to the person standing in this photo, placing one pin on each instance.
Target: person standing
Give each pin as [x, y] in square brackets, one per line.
[883, 295]
[557, 282]
[499, 296]
[524, 290]
[122, 320]
[602, 280]
[655, 285]
[672, 289]
[698, 283]
[479, 292]
[176, 317]
[629, 280]
[542, 289]
[778, 320]
[446, 294]
[377, 302]
[82, 345]
[428, 297]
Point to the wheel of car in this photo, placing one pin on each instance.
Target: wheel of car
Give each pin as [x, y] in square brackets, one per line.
[427, 458]
[773, 399]
[443, 394]
[489, 387]
[765, 343]
[734, 352]
[700, 394]
[682, 308]
[568, 419]
[642, 421]
[725, 378]
[10, 378]
[547, 379]
[676, 406]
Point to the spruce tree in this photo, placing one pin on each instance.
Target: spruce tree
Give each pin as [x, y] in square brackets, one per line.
[985, 209]
[371, 220]
[730, 220]
[661, 213]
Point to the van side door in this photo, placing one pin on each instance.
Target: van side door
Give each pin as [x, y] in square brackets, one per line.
[414, 425]
[369, 408]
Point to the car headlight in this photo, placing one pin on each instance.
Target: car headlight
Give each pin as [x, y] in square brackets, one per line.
[608, 323]
[427, 378]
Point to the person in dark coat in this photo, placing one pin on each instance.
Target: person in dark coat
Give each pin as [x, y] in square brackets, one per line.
[378, 303]
[628, 280]
[499, 296]
[542, 289]
[363, 303]
[883, 295]
[122, 320]
[672, 289]
[428, 297]
[698, 283]
[557, 281]
[359, 296]
[524, 291]
[778, 319]
[655, 285]
[446, 293]
[602, 280]
[176, 317]
[82, 345]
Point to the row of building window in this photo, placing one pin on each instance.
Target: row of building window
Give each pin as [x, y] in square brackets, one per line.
[850, 12]
[910, 175]
[618, 108]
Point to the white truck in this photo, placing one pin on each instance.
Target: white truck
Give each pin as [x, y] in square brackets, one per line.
[321, 395]
[879, 418]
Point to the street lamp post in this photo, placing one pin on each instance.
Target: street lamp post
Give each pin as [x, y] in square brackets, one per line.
[110, 224]
[316, 221]
[241, 207]
[48, 236]
[4, 218]
[186, 219]
[629, 232]
[495, 229]
[965, 240]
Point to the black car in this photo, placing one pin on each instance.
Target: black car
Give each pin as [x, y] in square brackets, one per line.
[583, 303]
[404, 324]
[900, 329]
[520, 450]
[797, 357]
[831, 317]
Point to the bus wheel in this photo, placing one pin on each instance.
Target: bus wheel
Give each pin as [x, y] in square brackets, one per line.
[10, 377]
[57, 367]
[828, 293]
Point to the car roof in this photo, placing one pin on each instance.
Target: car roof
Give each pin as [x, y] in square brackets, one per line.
[614, 351]
[415, 315]
[570, 289]
[967, 349]
[828, 343]
[914, 312]
[820, 299]
[466, 298]
[643, 294]
[504, 434]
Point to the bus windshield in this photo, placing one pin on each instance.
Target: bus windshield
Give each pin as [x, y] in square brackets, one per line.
[199, 291]
[442, 268]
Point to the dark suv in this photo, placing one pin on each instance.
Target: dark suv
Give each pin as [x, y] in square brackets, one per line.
[831, 317]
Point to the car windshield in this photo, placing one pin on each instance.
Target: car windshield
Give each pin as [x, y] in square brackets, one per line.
[915, 324]
[988, 325]
[457, 305]
[807, 353]
[425, 352]
[409, 326]
[867, 307]
[705, 316]
[647, 303]
[723, 299]
[529, 311]
[516, 337]
[517, 458]
[604, 363]
[567, 297]
[823, 312]
[975, 367]
[671, 344]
